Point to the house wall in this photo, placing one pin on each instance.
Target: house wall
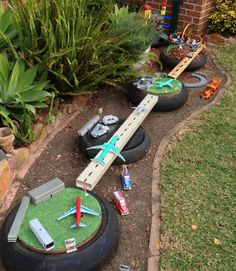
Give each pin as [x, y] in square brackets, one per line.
[194, 12]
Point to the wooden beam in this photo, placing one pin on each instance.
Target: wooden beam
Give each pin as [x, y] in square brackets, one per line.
[94, 171]
[185, 62]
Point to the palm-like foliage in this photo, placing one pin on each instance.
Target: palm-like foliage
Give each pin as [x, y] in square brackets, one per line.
[80, 50]
[18, 91]
[8, 31]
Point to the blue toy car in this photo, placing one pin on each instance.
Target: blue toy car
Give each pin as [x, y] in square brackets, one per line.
[125, 179]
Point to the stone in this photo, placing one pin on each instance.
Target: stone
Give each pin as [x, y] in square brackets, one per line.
[7, 139]
[3, 155]
[37, 128]
[215, 39]
[39, 141]
[19, 158]
[6, 178]
[79, 102]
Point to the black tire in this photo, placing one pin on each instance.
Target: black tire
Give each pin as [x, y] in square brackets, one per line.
[133, 151]
[171, 62]
[158, 43]
[17, 257]
[165, 103]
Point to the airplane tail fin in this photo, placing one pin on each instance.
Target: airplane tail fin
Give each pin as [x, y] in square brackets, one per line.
[99, 160]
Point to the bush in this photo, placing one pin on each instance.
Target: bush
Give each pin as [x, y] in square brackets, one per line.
[134, 5]
[223, 18]
[81, 50]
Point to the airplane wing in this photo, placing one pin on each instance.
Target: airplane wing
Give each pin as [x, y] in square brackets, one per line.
[81, 225]
[70, 212]
[115, 151]
[102, 147]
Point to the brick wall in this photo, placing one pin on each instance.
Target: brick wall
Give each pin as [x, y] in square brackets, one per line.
[195, 12]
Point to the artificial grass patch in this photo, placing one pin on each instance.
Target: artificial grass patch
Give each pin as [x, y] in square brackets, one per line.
[156, 89]
[47, 212]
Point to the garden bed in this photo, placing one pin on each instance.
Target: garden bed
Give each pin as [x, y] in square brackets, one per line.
[62, 159]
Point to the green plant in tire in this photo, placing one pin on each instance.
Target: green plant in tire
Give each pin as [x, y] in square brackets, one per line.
[18, 90]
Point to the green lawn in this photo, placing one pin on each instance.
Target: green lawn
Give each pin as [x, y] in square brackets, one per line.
[198, 187]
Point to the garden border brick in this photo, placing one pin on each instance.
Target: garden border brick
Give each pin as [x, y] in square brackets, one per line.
[172, 137]
[35, 149]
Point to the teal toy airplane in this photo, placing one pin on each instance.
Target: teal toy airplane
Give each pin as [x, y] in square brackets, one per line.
[107, 147]
[166, 83]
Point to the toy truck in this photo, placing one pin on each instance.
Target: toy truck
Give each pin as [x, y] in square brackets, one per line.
[120, 203]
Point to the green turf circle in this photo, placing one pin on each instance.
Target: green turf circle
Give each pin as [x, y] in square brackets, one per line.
[175, 86]
[47, 212]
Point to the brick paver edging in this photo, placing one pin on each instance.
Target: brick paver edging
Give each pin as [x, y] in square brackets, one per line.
[35, 149]
[172, 135]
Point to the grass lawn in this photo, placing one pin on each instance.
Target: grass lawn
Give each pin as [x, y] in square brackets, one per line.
[198, 189]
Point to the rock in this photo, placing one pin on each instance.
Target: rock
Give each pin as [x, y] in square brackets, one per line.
[3, 155]
[7, 139]
[215, 39]
[37, 127]
[19, 158]
[6, 178]
[79, 102]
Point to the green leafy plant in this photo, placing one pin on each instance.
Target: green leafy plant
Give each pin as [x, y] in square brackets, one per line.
[223, 18]
[80, 50]
[18, 91]
[24, 132]
[8, 33]
[134, 5]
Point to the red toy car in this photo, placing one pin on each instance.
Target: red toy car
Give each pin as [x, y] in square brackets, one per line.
[120, 203]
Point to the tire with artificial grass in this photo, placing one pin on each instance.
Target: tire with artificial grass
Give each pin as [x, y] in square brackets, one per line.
[165, 102]
[88, 257]
[171, 62]
[133, 151]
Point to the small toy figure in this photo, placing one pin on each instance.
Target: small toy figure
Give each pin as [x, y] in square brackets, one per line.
[99, 130]
[70, 245]
[125, 178]
[110, 119]
[120, 203]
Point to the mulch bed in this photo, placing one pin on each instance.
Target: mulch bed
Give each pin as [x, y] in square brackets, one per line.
[62, 159]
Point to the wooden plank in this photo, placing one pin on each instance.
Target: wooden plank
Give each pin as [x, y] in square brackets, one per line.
[185, 62]
[94, 171]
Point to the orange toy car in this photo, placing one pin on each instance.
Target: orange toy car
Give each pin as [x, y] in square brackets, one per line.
[211, 88]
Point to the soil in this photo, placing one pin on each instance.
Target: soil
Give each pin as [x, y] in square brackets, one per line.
[62, 159]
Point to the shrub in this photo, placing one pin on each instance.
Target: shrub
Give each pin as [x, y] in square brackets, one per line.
[80, 50]
[223, 18]
[19, 94]
[134, 5]
[8, 33]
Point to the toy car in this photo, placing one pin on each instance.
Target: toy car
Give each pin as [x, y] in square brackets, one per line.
[120, 203]
[125, 179]
[144, 82]
[110, 119]
[99, 130]
[211, 88]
